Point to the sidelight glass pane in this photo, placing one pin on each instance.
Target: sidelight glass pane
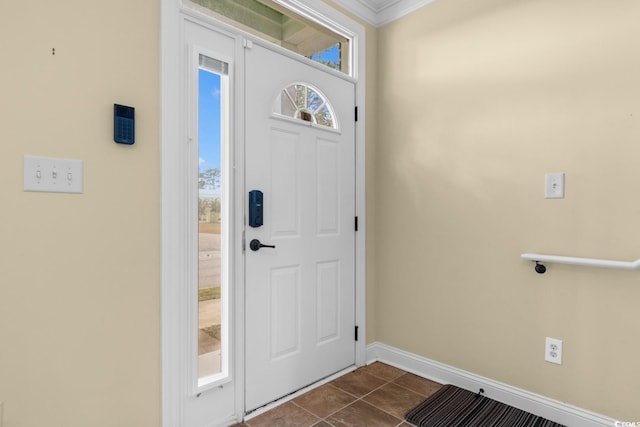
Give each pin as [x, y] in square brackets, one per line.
[212, 239]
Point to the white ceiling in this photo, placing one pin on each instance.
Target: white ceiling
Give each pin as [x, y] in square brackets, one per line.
[380, 12]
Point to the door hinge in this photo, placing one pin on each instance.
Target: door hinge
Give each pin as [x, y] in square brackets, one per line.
[247, 44]
[356, 113]
[356, 333]
[356, 223]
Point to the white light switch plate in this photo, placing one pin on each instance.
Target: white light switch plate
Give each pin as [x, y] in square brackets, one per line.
[51, 175]
[554, 186]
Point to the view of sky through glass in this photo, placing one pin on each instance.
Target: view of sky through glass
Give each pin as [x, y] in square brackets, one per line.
[209, 120]
[329, 57]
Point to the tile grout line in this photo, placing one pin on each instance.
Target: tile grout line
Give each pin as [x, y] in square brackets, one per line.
[416, 391]
[382, 410]
[411, 390]
[402, 420]
[325, 419]
[356, 398]
[319, 418]
[361, 398]
[344, 391]
[386, 382]
[334, 412]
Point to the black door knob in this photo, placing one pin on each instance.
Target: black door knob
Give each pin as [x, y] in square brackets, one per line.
[255, 245]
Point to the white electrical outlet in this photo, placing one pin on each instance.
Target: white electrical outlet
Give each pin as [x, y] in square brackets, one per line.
[553, 350]
[51, 175]
[554, 185]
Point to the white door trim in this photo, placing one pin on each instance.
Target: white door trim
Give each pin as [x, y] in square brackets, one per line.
[182, 403]
[175, 386]
[171, 179]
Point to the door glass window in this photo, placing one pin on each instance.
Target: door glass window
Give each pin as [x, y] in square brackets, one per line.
[212, 220]
[277, 24]
[303, 102]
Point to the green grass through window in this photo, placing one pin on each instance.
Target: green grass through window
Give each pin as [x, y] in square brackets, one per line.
[207, 294]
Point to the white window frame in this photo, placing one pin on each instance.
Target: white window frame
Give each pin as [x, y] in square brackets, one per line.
[227, 226]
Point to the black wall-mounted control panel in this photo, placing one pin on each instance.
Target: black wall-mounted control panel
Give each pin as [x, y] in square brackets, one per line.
[255, 208]
[124, 124]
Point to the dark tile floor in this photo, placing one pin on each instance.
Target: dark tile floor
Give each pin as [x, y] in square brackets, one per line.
[377, 395]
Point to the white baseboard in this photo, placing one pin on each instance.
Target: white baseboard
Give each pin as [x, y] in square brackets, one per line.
[225, 422]
[550, 409]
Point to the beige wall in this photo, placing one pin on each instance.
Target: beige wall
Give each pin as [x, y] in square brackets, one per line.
[79, 274]
[477, 101]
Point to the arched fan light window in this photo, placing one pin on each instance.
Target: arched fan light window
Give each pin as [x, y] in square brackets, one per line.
[302, 101]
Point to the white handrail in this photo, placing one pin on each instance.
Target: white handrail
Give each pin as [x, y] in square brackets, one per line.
[590, 262]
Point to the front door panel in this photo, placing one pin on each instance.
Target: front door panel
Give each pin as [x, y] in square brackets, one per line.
[300, 301]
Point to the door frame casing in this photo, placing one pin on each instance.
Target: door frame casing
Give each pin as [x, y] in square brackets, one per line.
[182, 403]
[175, 389]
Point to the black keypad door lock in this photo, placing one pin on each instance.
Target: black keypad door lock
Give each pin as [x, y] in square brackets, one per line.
[255, 208]
[124, 124]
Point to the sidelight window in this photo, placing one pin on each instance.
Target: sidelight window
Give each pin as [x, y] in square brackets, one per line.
[212, 220]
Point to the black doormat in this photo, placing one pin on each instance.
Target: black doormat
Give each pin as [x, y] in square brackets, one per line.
[453, 406]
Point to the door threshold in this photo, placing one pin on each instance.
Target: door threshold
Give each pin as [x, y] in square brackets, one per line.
[269, 406]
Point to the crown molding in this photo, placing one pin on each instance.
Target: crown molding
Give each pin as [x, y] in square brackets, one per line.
[381, 12]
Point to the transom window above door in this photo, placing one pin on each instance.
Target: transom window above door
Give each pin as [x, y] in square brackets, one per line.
[303, 102]
[270, 20]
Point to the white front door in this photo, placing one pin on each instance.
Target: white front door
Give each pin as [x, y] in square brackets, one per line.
[300, 295]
